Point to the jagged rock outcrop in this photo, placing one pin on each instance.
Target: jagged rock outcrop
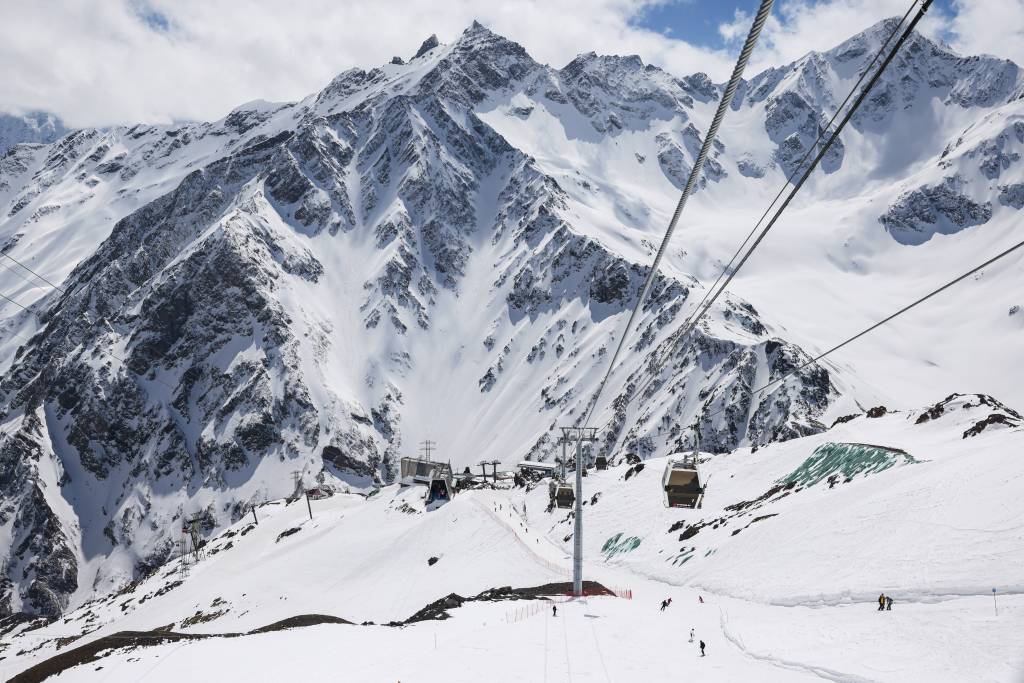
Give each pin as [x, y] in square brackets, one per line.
[940, 209]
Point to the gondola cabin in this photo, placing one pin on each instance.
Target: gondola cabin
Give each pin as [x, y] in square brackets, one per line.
[682, 482]
[564, 495]
[601, 462]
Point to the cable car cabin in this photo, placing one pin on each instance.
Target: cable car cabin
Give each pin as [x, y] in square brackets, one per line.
[682, 482]
[601, 462]
[564, 496]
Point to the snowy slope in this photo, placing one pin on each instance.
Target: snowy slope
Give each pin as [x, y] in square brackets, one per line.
[447, 248]
[789, 583]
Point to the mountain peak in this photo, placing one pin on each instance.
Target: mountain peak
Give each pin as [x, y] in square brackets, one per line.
[428, 45]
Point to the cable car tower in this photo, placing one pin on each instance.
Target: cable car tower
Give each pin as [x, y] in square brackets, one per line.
[191, 528]
[579, 435]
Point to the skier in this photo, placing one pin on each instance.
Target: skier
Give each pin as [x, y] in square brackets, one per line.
[554, 610]
[881, 602]
[702, 648]
[691, 635]
[700, 599]
[888, 603]
[664, 604]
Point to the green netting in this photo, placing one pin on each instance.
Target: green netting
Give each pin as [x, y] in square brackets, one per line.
[846, 460]
[616, 545]
[682, 558]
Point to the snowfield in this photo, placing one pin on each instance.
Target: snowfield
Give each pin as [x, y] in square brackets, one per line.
[789, 582]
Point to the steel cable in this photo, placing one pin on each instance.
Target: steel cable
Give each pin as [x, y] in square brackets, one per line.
[723, 106]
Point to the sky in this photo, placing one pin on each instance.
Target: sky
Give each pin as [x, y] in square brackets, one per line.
[157, 61]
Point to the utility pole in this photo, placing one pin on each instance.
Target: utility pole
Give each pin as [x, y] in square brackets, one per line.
[494, 470]
[579, 434]
[427, 446]
[253, 508]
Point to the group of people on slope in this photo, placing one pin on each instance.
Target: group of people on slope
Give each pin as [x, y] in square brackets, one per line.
[668, 601]
[884, 602]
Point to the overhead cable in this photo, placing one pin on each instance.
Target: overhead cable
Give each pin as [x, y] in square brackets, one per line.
[698, 164]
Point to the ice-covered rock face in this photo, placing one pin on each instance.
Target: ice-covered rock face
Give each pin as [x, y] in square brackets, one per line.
[313, 287]
[940, 209]
[620, 92]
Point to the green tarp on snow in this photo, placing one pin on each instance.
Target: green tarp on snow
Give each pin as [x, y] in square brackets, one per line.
[846, 460]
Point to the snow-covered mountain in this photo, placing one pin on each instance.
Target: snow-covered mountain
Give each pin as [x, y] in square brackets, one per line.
[447, 248]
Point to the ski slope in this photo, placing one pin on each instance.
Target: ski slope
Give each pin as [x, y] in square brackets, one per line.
[789, 582]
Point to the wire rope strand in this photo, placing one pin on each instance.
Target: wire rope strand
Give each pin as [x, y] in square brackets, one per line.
[882, 322]
[686, 327]
[821, 153]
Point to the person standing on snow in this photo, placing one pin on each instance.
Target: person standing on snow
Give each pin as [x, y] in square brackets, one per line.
[664, 604]
[702, 648]
[691, 635]
[554, 610]
[700, 599]
[888, 603]
[881, 602]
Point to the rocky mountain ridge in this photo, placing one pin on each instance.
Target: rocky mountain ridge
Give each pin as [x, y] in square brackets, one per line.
[314, 287]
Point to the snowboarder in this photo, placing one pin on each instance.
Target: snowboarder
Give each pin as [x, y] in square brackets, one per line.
[554, 610]
[691, 635]
[700, 599]
[664, 604]
[702, 648]
[881, 602]
[888, 603]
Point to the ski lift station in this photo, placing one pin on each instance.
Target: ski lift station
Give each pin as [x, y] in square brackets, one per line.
[436, 476]
[544, 469]
[683, 483]
[440, 488]
[421, 470]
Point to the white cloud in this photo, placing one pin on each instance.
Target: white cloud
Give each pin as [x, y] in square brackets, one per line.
[797, 27]
[989, 27]
[101, 63]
